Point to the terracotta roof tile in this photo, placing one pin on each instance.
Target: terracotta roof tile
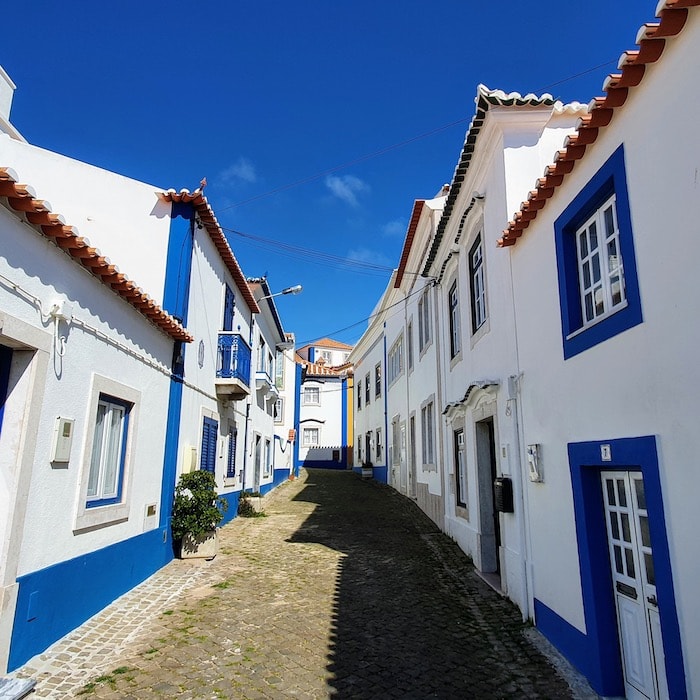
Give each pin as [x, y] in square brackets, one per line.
[208, 219]
[651, 40]
[22, 198]
[328, 343]
[408, 241]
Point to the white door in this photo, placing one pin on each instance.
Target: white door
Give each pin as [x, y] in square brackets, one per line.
[632, 567]
[403, 466]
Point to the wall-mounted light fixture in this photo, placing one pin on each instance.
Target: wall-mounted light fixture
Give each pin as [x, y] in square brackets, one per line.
[296, 289]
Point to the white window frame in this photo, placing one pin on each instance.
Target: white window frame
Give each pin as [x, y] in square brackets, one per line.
[377, 380]
[267, 464]
[460, 457]
[306, 433]
[424, 329]
[477, 283]
[455, 327]
[278, 410]
[279, 370]
[409, 345]
[598, 295]
[396, 441]
[378, 444]
[101, 515]
[395, 360]
[368, 389]
[427, 423]
[308, 392]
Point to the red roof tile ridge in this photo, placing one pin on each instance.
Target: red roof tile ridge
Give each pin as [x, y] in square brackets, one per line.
[22, 198]
[651, 40]
[213, 228]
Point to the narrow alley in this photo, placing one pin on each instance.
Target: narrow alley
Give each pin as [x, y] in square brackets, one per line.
[344, 590]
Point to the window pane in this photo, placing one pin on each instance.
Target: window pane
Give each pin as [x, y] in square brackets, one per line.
[96, 457]
[618, 559]
[649, 569]
[622, 493]
[641, 498]
[595, 260]
[112, 452]
[614, 527]
[610, 486]
[593, 236]
[625, 527]
[583, 244]
[609, 222]
[644, 527]
[629, 560]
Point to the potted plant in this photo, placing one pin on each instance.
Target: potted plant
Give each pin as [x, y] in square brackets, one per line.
[197, 511]
[367, 470]
[250, 504]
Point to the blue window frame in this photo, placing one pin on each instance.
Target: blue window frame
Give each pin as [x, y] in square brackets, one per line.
[210, 430]
[599, 215]
[229, 306]
[108, 455]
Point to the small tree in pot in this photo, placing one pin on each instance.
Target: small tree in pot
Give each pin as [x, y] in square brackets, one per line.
[197, 511]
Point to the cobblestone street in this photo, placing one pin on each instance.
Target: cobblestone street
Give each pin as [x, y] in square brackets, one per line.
[344, 590]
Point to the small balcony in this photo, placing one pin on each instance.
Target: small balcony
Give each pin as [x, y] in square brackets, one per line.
[232, 366]
[266, 385]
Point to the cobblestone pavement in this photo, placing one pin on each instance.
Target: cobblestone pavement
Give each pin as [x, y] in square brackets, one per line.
[344, 590]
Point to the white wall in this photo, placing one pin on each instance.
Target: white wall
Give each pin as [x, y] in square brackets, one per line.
[641, 382]
[45, 274]
[122, 218]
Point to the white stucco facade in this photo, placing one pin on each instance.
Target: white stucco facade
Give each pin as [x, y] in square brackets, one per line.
[619, 388]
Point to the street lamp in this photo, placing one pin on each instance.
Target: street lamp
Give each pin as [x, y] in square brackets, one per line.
[296, 289]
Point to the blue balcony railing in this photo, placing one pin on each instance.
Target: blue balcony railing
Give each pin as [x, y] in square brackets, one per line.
[233, 357]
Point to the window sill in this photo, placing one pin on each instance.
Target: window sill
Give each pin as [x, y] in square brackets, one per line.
[599, 319]
[480, 332]
[101, 516]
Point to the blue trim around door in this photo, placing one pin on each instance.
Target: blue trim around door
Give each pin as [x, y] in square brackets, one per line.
[596, 653]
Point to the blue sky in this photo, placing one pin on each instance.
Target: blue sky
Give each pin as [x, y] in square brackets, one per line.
[278, 104]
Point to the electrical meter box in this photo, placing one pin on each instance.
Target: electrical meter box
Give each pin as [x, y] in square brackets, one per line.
[503, 494]
[62, 440]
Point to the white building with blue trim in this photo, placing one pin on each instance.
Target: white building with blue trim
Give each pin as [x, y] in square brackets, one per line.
[607, 338]
[112, 388]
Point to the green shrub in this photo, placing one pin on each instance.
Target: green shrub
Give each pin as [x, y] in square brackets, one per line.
[197, 508]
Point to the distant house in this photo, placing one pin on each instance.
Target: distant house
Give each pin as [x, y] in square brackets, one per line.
[325, 393]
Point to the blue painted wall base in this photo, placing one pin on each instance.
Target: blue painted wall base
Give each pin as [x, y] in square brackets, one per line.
[54, 601]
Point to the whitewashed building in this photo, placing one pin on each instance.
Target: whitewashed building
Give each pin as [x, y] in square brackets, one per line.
[85, 372]
[324, 422]
[272, 411]
[414, 396]
[509, 139]
[112, 389]
[606, 292]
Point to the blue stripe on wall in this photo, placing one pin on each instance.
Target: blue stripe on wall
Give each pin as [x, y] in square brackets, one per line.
[344, 422]
[53, 601]
[297, 402]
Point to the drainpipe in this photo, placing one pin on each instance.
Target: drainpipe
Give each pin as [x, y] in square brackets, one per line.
[245, 446]
[525, 540]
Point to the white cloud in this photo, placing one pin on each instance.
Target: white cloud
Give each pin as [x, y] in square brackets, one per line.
[366, 255]
[241, 171]
[397, 228]
[346, 188]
